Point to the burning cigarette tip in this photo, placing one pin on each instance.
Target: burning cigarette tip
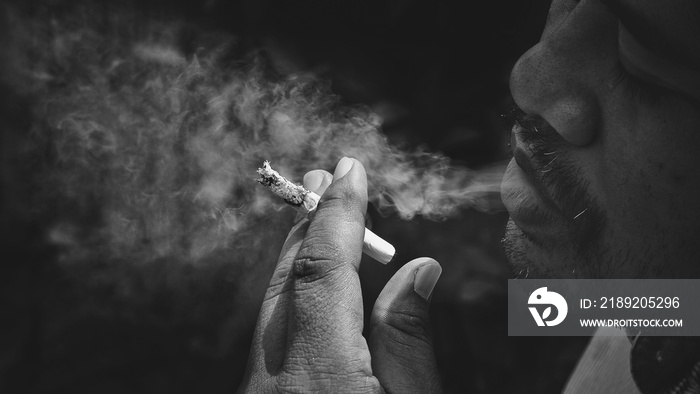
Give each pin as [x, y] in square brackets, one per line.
[291, 193]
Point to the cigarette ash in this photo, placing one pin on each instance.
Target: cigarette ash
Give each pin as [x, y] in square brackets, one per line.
[291, 193]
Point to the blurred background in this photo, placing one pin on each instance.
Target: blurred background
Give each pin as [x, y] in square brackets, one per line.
[436, 74]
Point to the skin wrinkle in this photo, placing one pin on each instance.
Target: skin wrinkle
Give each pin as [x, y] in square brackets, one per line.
[405, 323]
[326, 380]
[309, 268]
[336, 303]
[309, 333]
[405, 339]
[276, 289]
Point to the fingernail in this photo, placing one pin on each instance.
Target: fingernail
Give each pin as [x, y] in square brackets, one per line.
[427, 276]
[313, 180]
[343, 167]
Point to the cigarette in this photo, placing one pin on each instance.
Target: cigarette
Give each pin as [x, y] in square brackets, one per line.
[306, 201]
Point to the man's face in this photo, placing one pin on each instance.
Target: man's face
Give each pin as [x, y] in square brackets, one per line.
[605, 180]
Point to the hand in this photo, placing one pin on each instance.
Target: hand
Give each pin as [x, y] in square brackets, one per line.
[308, 336]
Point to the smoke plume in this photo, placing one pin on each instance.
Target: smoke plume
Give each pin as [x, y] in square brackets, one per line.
[144, 151]
[132, 152]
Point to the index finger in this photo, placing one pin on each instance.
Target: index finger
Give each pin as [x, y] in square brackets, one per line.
[326, 315]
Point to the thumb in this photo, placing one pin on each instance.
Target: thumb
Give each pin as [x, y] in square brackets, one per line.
[400, 340]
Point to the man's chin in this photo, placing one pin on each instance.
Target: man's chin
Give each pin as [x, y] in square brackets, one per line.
[528, 259]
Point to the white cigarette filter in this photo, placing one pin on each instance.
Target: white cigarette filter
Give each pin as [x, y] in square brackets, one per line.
[377, 248]
[307, 201]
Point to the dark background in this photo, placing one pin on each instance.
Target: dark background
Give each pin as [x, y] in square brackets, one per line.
[437, 72]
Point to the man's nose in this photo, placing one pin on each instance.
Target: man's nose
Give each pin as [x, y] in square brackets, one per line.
[560, 77]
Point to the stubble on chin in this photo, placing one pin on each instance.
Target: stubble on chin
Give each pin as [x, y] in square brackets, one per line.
[529, 259]
[518, 250]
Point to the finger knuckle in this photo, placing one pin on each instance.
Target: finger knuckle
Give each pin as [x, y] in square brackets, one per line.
[315, 261]
[403, 323]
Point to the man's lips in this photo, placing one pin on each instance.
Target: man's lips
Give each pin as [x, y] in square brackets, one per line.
[525, 198]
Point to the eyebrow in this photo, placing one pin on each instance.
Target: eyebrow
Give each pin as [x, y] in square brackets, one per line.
[648, 33]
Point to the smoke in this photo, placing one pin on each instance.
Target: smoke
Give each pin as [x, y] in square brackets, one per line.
[144, 151]
[136, 163]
